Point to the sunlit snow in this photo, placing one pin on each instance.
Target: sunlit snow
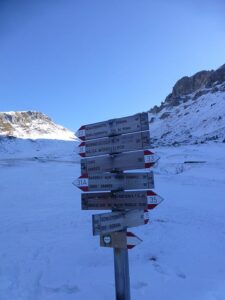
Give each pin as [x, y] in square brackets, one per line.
[47, 250]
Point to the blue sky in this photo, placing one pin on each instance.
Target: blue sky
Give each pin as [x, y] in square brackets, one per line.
[85, 61]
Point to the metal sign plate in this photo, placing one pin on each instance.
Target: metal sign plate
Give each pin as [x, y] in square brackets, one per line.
[119, 162]
[120, 240]
[135, 123]
[118, 144]
[115, 182]
[116, 221]
[120, 200]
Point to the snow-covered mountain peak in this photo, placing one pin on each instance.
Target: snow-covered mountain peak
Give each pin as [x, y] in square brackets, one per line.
[193, 113]
[32, 125]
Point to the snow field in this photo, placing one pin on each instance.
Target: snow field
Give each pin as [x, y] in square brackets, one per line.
[47, 250]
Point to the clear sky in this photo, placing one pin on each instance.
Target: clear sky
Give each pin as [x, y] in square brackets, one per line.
[84, 61]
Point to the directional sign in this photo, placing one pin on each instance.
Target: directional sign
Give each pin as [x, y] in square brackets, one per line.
[119, 162]
[135, 123]
[120, 240]
[153, 199]
[115, 181]
[116, 221]
[120, 200]
[122, 143]
[112, 153]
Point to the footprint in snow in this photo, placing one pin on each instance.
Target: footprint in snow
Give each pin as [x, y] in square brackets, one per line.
[67, 289]
[139, 285]
[157, 267]
[181, 275]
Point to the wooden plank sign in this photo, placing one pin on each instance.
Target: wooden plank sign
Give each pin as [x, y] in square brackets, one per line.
[120, 200]
[120, 220]
[135, 123]
[119, 162]
[121, 240]
[111, 145]
[115, 181]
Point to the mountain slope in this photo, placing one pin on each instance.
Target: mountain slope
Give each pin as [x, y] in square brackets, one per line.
[193, 113]
[32, 125]
[33, 135]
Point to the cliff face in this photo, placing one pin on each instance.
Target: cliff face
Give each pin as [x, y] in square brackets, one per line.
[188, 85]
[204, 79]
[193, 87]
[31, 125]
[194, 111]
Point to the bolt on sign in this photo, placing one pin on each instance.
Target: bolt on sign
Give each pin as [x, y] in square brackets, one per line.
[110, 153]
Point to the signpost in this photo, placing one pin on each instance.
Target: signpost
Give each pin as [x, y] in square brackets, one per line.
[119, 220]
[120, 200]
[117, 144]
[120, 240]
[108, 149]
[119, 162]
[115, 181]
[135, 123]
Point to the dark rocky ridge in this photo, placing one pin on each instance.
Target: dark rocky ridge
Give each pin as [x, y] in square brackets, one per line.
[199, 84]
[193, 113]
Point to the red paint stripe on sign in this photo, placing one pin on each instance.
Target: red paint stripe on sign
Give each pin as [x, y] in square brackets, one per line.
[151, 193]
[147, 152]
[130, 234]
[84, 176]
[84, 188]
[82, 154]
[82, 144]
[151, 206]
[149, 165]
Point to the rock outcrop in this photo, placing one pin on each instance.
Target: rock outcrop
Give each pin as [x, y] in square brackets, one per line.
[33, 125]
[194, 87]
[193, 113]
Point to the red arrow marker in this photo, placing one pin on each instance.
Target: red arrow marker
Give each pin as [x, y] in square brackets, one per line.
[82, 149]
[150, 158]
[153, 199]
[82, 182]
[81, 133]
[132, 240]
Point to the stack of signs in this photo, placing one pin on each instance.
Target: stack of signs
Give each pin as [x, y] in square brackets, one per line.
[109, 151]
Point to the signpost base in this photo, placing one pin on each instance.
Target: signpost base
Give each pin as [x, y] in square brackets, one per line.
[122, 277]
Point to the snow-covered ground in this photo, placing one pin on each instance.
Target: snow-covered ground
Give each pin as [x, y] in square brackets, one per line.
[47, 251]
[38, 149]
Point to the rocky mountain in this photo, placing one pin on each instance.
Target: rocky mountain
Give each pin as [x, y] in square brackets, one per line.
[34, 136]
[32, 125]
[193, 113]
